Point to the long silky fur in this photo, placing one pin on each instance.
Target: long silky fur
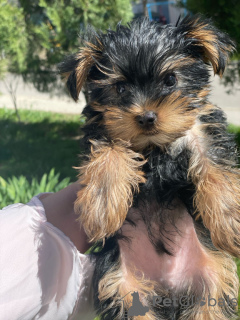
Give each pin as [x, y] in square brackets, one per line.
[188, 156]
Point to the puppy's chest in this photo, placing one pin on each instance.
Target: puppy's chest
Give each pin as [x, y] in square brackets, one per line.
[167, 176]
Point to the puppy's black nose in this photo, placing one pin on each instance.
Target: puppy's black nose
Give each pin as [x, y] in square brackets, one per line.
[147, 120]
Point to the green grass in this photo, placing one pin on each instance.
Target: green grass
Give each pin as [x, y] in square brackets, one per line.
[235, 130]
[41, 141]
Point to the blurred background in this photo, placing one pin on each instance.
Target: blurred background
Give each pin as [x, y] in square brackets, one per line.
[40, 126]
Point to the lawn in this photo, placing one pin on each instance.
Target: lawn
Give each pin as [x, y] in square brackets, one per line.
[44, 140]
[41, 141]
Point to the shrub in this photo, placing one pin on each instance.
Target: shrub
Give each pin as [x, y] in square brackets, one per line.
[19, 189]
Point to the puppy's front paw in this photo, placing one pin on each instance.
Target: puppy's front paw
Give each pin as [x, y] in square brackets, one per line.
[109, 179]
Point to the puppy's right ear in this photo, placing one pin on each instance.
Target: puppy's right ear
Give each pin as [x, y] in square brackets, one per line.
[74, 69]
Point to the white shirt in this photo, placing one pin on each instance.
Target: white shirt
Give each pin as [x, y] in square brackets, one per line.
[42, 274]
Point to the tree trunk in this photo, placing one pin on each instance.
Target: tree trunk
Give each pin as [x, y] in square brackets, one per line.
[145, 11]
[12, 89]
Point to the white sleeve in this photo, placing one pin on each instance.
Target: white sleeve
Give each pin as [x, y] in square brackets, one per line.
[42, 274]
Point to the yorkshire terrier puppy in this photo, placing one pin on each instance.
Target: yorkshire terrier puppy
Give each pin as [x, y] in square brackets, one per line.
[158, 147]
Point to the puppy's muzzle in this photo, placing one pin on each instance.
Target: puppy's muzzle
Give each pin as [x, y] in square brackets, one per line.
[147, 120]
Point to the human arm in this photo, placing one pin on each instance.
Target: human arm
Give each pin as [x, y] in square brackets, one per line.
[59, 210]
[42, 274]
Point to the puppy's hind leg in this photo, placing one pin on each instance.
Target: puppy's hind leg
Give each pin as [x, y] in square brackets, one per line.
[217, 181]
[109, 179]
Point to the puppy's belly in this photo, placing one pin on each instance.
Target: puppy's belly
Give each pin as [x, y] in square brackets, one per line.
[187, 263]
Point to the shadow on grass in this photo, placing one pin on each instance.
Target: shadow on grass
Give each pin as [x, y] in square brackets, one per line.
[31, 149]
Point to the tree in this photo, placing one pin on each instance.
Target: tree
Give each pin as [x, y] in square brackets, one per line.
[53, 29]
[13, 38]
[145, 11]
[13, 45]
[36, 35]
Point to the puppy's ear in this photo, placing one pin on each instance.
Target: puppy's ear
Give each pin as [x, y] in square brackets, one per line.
[74, 69]
[213, 45]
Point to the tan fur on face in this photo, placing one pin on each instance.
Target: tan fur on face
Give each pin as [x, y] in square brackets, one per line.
[217, 197]
[176, 62]
[113, 76]
[110, 177]
[204, 93]
[173, 120]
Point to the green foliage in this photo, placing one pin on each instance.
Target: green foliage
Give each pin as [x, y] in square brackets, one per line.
[15, 190]
[225, 14]
[53, 29]
[236, 131]
[36, 35]
[13, 38]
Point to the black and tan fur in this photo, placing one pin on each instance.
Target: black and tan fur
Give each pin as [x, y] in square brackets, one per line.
[152, 136]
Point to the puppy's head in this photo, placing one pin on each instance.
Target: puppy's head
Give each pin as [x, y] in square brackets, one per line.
[148, 81]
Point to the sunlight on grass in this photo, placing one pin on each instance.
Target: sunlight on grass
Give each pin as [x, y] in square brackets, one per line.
[41, 141]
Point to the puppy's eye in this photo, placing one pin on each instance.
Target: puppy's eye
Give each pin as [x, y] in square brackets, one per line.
[120, 87]
[170, 80]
